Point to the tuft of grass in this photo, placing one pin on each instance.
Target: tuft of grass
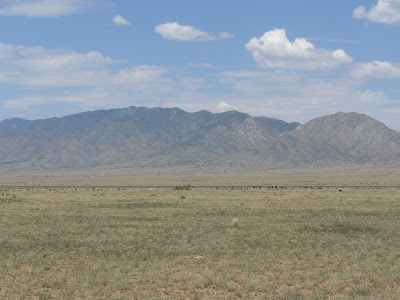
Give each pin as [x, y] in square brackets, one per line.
[183, 187]
[358, 292]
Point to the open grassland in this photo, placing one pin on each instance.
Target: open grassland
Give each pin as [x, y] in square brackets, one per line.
[300, 177]
[169, 244]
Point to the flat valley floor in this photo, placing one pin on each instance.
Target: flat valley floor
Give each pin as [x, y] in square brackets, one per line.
[181, 244]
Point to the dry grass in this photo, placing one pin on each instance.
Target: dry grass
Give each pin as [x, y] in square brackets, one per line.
[311, 176]
[168, 244]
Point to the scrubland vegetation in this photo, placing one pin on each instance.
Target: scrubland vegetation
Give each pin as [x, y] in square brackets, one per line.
[181, 244]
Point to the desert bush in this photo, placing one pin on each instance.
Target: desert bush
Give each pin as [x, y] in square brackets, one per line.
[182, 187]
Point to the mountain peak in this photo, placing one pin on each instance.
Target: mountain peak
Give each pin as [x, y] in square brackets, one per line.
[343, 138]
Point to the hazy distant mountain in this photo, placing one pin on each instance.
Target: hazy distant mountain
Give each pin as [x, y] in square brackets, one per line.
[160, 138]
[338, 139]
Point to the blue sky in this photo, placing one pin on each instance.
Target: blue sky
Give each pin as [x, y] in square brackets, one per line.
[291, 60]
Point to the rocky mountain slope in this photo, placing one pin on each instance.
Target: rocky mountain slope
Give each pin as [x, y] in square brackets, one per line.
[159, 138]
[342, 138]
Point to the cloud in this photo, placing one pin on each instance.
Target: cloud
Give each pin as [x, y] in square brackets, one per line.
[177, 32]
[37, 81]
[71, 81]
[202, 65]
[298, 97]
[142, 77]
[274, 50]
[223, 107]
[225, 35]
[384, 11]
[37, 66]
[44, 8]
[120, 21]
[376, 69]
[41, 67]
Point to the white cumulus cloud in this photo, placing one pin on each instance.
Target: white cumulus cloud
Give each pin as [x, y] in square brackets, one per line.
[376, 69]
[274, 50]
[44, 8]
[223, 107]
[120, 21]
[384, 11]
[178, 32]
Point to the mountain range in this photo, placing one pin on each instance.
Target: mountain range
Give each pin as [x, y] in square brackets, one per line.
[150, 139]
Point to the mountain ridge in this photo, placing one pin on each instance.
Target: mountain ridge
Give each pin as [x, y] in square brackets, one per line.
[159, 138]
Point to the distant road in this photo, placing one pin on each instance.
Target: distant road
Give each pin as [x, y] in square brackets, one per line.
[199, 187]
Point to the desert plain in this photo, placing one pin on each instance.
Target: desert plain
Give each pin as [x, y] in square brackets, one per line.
[154, 237]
